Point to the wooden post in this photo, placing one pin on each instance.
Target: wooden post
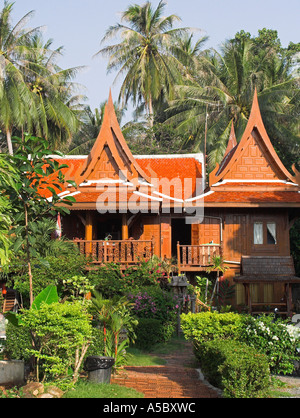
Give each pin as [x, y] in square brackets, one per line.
[178, 257]
[124, 227]
[289, 299]
[247, 296]
[88, 230]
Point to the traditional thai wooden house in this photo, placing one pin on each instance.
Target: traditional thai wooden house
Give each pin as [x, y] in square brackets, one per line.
[130, 207]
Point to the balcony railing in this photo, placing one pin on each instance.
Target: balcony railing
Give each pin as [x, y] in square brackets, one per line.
[196, 257]
[125, 252]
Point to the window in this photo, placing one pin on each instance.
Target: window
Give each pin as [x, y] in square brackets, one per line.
[264, 233]
[271, 233]
[258, 233]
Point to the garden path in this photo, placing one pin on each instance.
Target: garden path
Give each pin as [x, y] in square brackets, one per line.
[176, 379]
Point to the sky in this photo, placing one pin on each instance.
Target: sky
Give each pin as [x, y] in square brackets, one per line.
[79, 25]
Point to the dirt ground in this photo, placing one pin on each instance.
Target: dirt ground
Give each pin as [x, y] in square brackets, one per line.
[293, 385]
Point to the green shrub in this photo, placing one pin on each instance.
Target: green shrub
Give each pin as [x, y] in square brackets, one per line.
[62, 332]
[150, 331]
[96, 347]
[18, 342]
[276, 339]
[52, 271]
[153, 302]
[205, 326]
[239, 370]
[111, 280]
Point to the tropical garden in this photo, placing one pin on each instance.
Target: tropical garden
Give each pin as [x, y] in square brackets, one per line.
[185, 97]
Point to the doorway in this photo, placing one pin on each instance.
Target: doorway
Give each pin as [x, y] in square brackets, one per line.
[180, 232]
[109, 226]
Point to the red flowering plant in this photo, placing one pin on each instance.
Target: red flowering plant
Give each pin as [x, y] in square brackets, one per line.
[153, 302]
[145, 273]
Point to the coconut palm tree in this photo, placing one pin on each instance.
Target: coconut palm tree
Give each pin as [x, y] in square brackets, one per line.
[144, 55]
[35, 94]
[15, 96]
[56, 110]
[222, 91]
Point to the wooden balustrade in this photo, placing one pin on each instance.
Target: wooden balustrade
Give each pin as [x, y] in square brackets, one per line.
[196, 257]
[125, 252]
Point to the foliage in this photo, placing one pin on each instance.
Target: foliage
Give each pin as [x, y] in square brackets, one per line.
[206, 326]
[48, 295]
[153, 302]
[115, 316]
[156, 310]
[34, 169]
[111, 280]
[161, 138]
[8, 178]
[63, 332]
[225, 292]
[276, 339]
[52, 271]
[144, 55]
[217, 265]
[77, 286]
[151, 331]
[238, 369]
[44, 230]
[295, 245]
[36, 94]
[221, 90]
[18, 342]
[96, 347]
[203, 289]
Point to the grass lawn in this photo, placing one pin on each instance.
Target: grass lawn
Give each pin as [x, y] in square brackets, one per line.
[85, 389]
[138, 357]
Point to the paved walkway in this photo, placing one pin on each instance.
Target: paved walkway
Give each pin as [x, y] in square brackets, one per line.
[176, 379]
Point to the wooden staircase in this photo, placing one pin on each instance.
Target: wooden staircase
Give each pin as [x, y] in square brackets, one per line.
[9, 301]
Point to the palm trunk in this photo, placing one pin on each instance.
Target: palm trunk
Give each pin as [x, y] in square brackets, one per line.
[28, 256]
[150, 109]
[9, 142]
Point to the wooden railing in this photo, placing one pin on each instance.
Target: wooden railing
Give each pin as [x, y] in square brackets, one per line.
[125, 252]
[196, 257]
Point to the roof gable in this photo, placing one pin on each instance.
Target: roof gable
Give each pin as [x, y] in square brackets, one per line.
[254, 158]
[110, 156]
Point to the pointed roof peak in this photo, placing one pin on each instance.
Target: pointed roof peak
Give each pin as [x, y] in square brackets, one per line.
[255, 110]
[111, 137]
[255, 133]
[109, 110]
[232, 143]
[110, 99]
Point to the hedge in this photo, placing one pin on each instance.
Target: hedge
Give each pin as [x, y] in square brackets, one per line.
[205, 326]
[151, 331]
[239, 370]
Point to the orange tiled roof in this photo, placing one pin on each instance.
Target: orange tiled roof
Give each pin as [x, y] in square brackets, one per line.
[157, 168]
[253, 197]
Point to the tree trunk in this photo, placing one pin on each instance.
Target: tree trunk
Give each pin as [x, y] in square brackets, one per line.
[28, 256]
[150, 109]
[9, 143]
